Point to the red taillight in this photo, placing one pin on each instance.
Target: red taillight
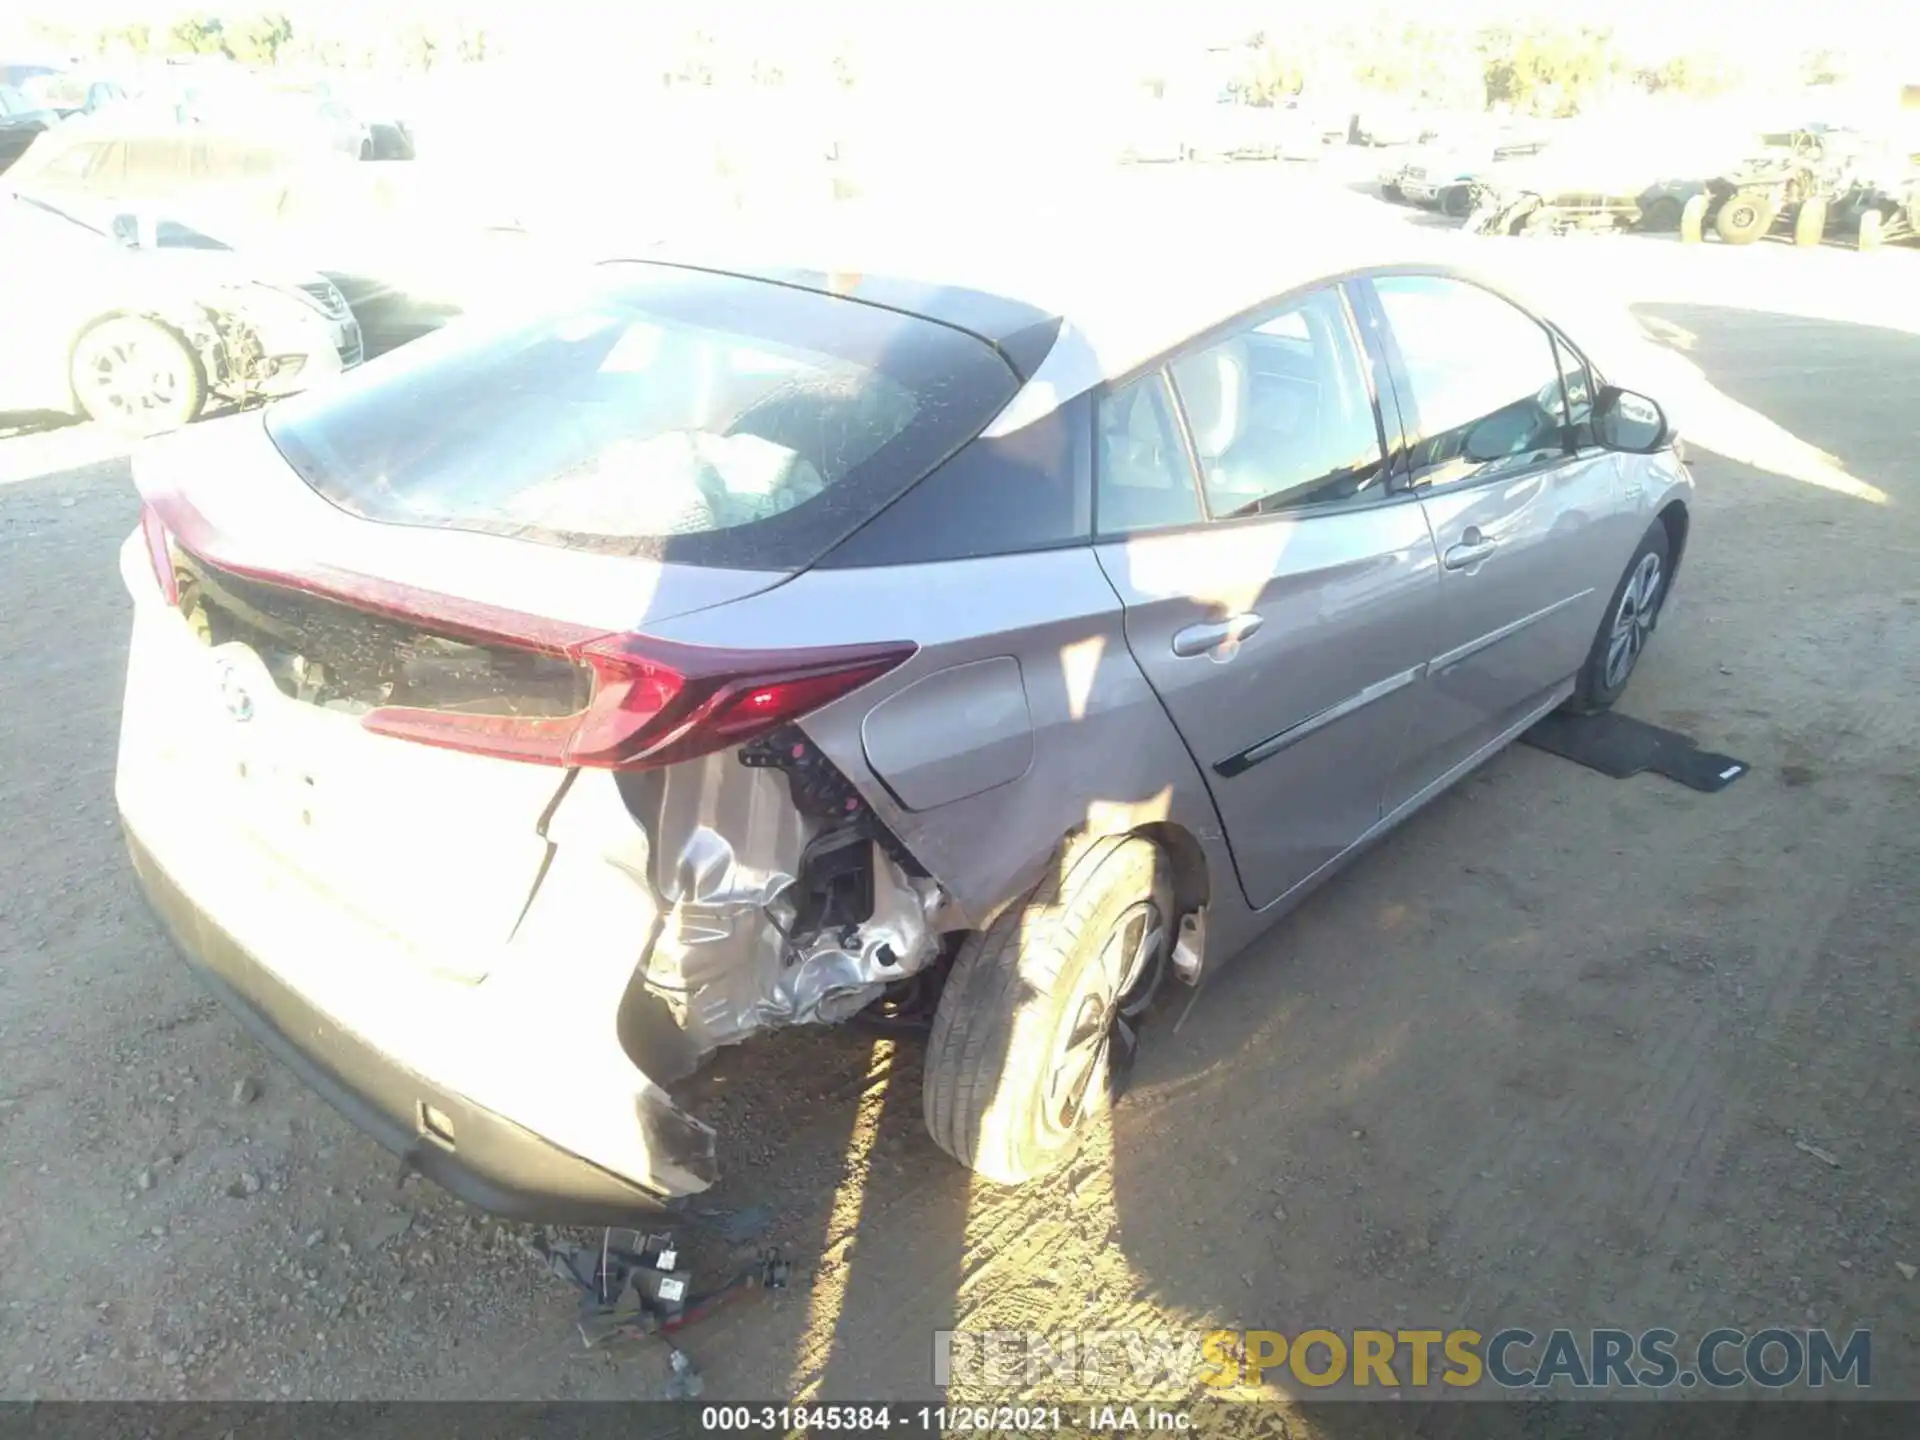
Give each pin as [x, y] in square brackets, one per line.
[656, 702]
[652, 702]
[160, 552]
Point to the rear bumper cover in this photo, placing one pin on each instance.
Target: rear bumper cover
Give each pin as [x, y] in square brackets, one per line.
[484, 1158]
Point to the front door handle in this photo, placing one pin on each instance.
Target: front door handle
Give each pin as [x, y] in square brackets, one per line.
[1469, 552]
[1199, 639]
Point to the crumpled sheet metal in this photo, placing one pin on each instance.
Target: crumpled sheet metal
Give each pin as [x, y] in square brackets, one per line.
[715, 890]
[844, 971]
[724, 959]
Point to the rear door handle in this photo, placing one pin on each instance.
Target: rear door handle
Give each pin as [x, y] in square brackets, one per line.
[1199, 639]
[1469, 553]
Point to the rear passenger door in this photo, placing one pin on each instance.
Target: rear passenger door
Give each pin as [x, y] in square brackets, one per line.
[1278, 598]
[1523, 509]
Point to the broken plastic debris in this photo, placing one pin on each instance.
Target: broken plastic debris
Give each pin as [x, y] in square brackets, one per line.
[628, 1291]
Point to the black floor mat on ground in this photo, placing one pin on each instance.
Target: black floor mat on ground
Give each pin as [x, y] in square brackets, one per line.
[1618, 746]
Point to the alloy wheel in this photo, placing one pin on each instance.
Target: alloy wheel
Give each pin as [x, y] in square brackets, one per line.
[134, 379]
[1633, 620]
[1116, 987]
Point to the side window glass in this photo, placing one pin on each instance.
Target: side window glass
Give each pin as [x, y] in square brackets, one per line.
[1145, 481]
[1486, 382]
[1281, 415]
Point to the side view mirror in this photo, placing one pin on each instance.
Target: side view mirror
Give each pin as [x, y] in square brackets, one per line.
[1629, 422]
[126, 231]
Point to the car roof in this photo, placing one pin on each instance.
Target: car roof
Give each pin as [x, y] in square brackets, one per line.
[1113, 294]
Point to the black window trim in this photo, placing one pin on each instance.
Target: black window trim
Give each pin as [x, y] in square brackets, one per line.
[1403, 385]
[1580, 439]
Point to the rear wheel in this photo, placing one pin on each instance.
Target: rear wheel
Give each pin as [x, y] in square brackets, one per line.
[1745, 218]
[1456, 202]
[1810, 225]
[1023, 1046]
[136, 376]
[1873, 230]
[1627, 625]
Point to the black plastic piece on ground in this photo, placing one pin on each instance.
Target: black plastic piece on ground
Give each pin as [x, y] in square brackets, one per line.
[1618, 746]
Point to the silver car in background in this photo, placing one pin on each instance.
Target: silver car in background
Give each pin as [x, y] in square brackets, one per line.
[707, 650]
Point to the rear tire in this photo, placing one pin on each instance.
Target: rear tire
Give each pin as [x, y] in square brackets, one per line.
[1745, 218]
[1456, 202]
[1017, 1068]
[136, 376]
[1810, 225]
[1628, 623]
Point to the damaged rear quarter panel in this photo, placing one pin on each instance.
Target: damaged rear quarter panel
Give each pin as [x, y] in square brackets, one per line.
[1105, 758]
[743, 943]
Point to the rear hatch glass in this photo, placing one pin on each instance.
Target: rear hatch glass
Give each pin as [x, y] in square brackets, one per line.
[656, 411]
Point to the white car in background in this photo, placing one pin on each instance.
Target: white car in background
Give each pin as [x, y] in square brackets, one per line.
[105, 318]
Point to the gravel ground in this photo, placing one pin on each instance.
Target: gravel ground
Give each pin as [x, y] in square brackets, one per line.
[1565, 1051]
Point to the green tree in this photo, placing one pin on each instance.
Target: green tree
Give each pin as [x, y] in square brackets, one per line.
[196, 35]
[419, 47]
[1547, 69]
[134, 39]
[259, 39]
[1270, 76]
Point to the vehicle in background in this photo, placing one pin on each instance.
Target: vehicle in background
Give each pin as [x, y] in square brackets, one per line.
[290, 113]
[1810, 181]
[22, 122]
[137, 161]
[409, 246]
[328, 107]
[65, 92]
[1442, 174]
[102, 318]
[512, 727]
[1600, 176]
[380, 108]
[1880, 211]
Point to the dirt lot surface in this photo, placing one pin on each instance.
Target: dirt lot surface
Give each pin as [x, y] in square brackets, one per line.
[1564, 1051]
